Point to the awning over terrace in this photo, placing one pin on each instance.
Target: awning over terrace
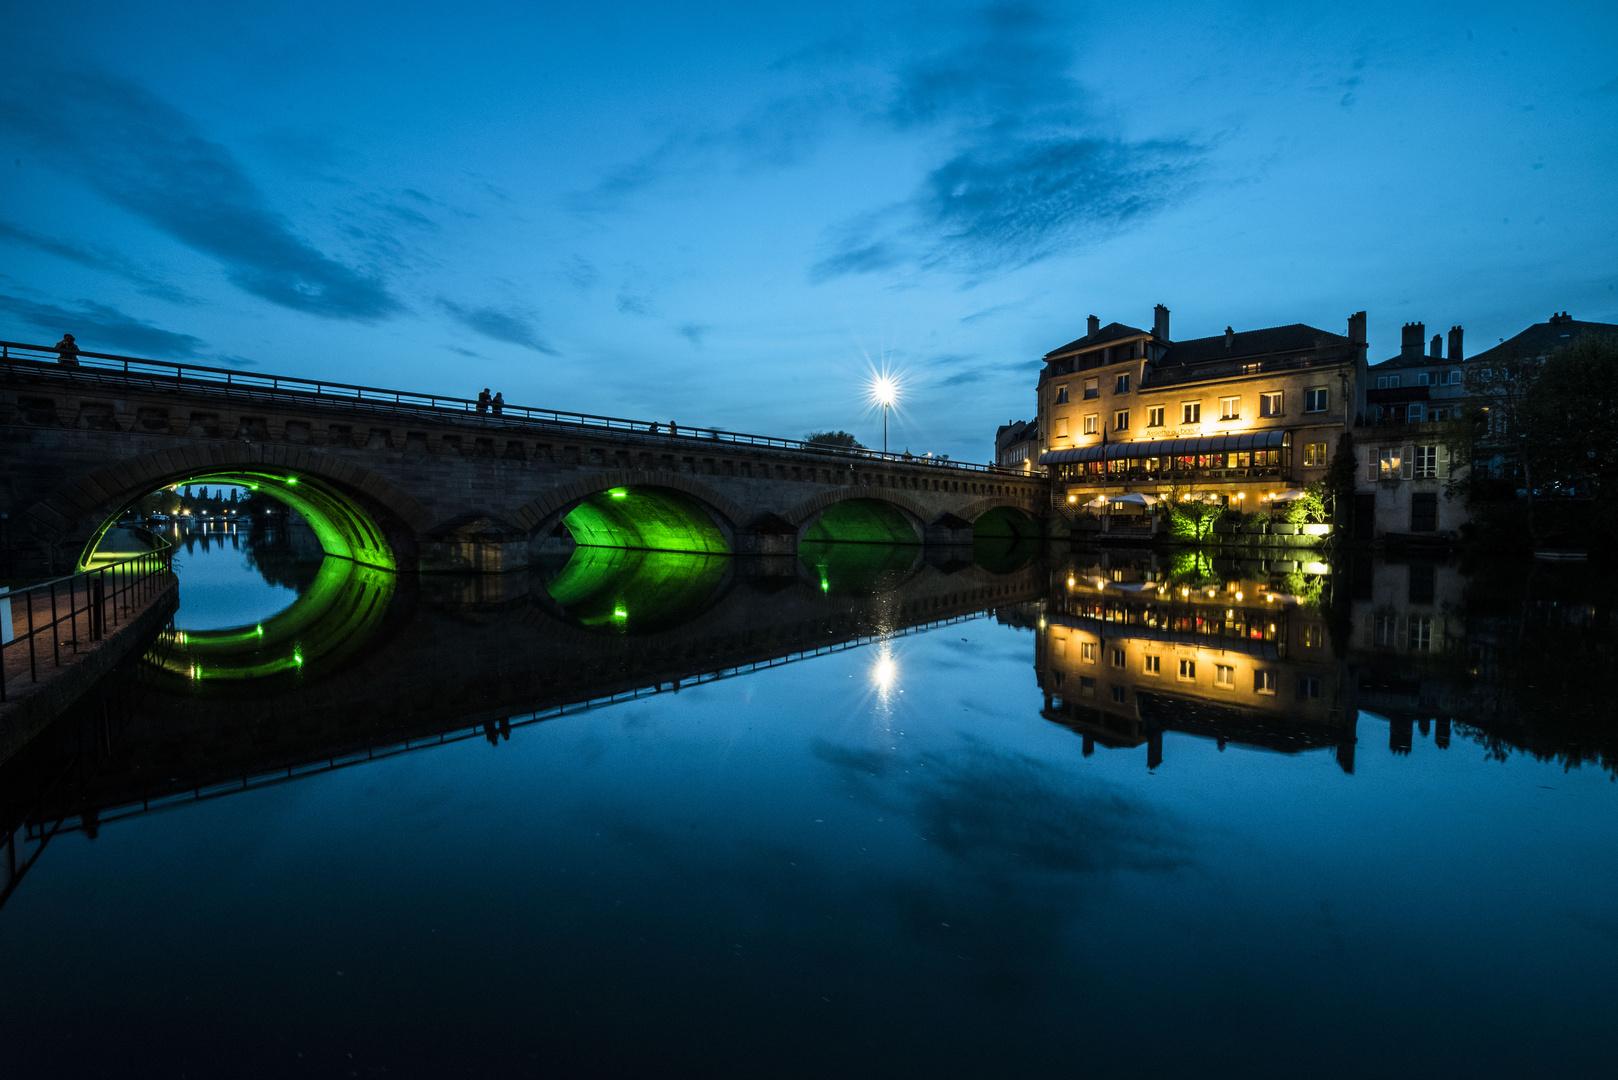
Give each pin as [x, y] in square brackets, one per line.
[1210, 444]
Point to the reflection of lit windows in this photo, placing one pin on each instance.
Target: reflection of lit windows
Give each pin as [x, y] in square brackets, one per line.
[1117, 658]
[1191, 412]
[1188, 669]
[1308, 688]
[1091, 423]
[1087, 652]
[1264, 682]
[1230, 408]
[1224, 675]
[1118, 694]
[1154, 416]
[1154, 665]
[1313, 635]
[1421, 634]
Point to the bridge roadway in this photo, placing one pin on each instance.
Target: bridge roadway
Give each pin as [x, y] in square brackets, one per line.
[412, 481]
[442, 669]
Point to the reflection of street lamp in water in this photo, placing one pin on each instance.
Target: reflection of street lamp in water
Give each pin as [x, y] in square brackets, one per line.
[884, 673]
[884, 391]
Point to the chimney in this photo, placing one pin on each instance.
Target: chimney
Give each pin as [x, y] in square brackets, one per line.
[1230, 338]
[1095, 325]
[1356, 328]
[1455, 344]
[1436, 350]
[1410, 340]
[1160, 322]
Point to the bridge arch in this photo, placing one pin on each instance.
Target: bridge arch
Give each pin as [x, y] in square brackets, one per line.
[626, 508]
[860, 515]
[355, 513]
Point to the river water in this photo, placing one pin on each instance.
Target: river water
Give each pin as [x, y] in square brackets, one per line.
[860, 813]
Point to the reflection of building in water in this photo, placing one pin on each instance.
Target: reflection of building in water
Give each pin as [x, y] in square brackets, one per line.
[1130, 649]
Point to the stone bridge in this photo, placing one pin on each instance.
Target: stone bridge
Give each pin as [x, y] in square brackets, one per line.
[412, 481]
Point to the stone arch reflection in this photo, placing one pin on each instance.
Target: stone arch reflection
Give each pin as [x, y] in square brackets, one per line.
[332, 620]
[844, 569]
[619, 590]
[863, 521]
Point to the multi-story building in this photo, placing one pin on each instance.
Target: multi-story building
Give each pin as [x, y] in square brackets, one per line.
[1016, 445]
[1236, 416]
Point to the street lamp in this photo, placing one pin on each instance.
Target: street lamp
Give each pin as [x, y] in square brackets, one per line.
[884, 392]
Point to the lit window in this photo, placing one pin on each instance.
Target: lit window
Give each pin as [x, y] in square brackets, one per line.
[1316, 400]
[1154, 416]
[1154, 665]
[1390, 463]
[1091, 423]
[1269, 404]
[1313, 635]
[1061, 395]
[1092, 388]
[1314, 453]
[1224, 675]
[1120, 420]
[1061, 427]
[1191, 412]
[1264, 682]
[1230, 408]
[1121, 384]
[1188, 669]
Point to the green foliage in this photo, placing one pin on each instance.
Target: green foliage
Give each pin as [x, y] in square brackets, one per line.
[1337, 487]
[1309, 510]
[841, 439]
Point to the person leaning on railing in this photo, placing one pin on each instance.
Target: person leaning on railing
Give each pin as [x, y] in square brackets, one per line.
[67, 351]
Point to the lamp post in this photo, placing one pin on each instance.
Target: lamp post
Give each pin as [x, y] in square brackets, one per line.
[884, 391]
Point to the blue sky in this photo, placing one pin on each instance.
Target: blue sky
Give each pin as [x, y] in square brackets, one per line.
[727, 214]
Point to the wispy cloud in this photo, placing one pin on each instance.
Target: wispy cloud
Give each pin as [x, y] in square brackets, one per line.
[95, 259]
[99, 327]
[147, 157]
[694, 332]
[510, 326]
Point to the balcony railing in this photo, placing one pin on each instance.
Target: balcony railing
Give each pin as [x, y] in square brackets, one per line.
[1225, 369]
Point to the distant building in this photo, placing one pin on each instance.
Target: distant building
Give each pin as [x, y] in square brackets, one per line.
[1016, 445]
[1236, 417]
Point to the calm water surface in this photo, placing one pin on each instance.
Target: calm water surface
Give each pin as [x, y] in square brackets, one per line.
[882, 827]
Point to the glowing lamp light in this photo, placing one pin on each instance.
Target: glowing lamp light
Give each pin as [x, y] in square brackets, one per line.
[1243, 495]
[1071, 582]
[619, 613]
[1238, 596]
[1072, 498]
[884, 390]
[618, 493]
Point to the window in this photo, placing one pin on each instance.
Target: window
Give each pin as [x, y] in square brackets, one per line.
[1117, 658]
[1092, 388]
[1308, 688]
[1393, 382]
[1120, 385]
[1060, 645]
[1154, 665]
[1421, 634]
[1269, 404]
[1314, 453]
[1230, 408]
[1061, 395]
[1455, 378]
[1087, 686]
[1154, 416]
[1191, 412]
[1120, 420]
[1119, 694]
[1422, 584]
[1424, 512]
[1381, 382]
[1426, 462]
[1316, 400]
[1264, 682]
[1188, 669]
[1314, 635]
[1422, 379]
[1440, 412]
[1061, 427]
[1088, 652]
[1415, 415]
[1390, 463]
[1224, 675]
[1090, 424]
[1383, 629]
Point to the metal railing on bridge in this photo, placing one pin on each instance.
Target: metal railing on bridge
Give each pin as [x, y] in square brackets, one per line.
[91, 602]
[290, 390]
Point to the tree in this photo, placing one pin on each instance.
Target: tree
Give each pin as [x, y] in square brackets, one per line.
[1499, 417]
[1571, 412]
[1339, 481]
[841, 439]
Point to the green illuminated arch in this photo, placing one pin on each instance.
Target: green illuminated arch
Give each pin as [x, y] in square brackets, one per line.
[862, 521]
[645, 518]
[332, 619]
[1005, 522]
[623, 590]
[342, 526]
[858, 569]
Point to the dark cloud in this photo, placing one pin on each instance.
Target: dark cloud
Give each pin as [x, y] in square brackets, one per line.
[98, 327]
[694, 332]
[961, 378]
[512, 327]
[95, 259]
[150, 159]
[630, 304]
[581, 272]
[856, 258]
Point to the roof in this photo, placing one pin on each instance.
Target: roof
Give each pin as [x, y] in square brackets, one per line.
[1111, 332]
[1207, 444]
[1295, 337]
[1541, 339]
[1401, 362]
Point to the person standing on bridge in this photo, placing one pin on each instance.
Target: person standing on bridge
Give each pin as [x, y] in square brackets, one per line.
[67, 351]
[498, 405]
[483, 401]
